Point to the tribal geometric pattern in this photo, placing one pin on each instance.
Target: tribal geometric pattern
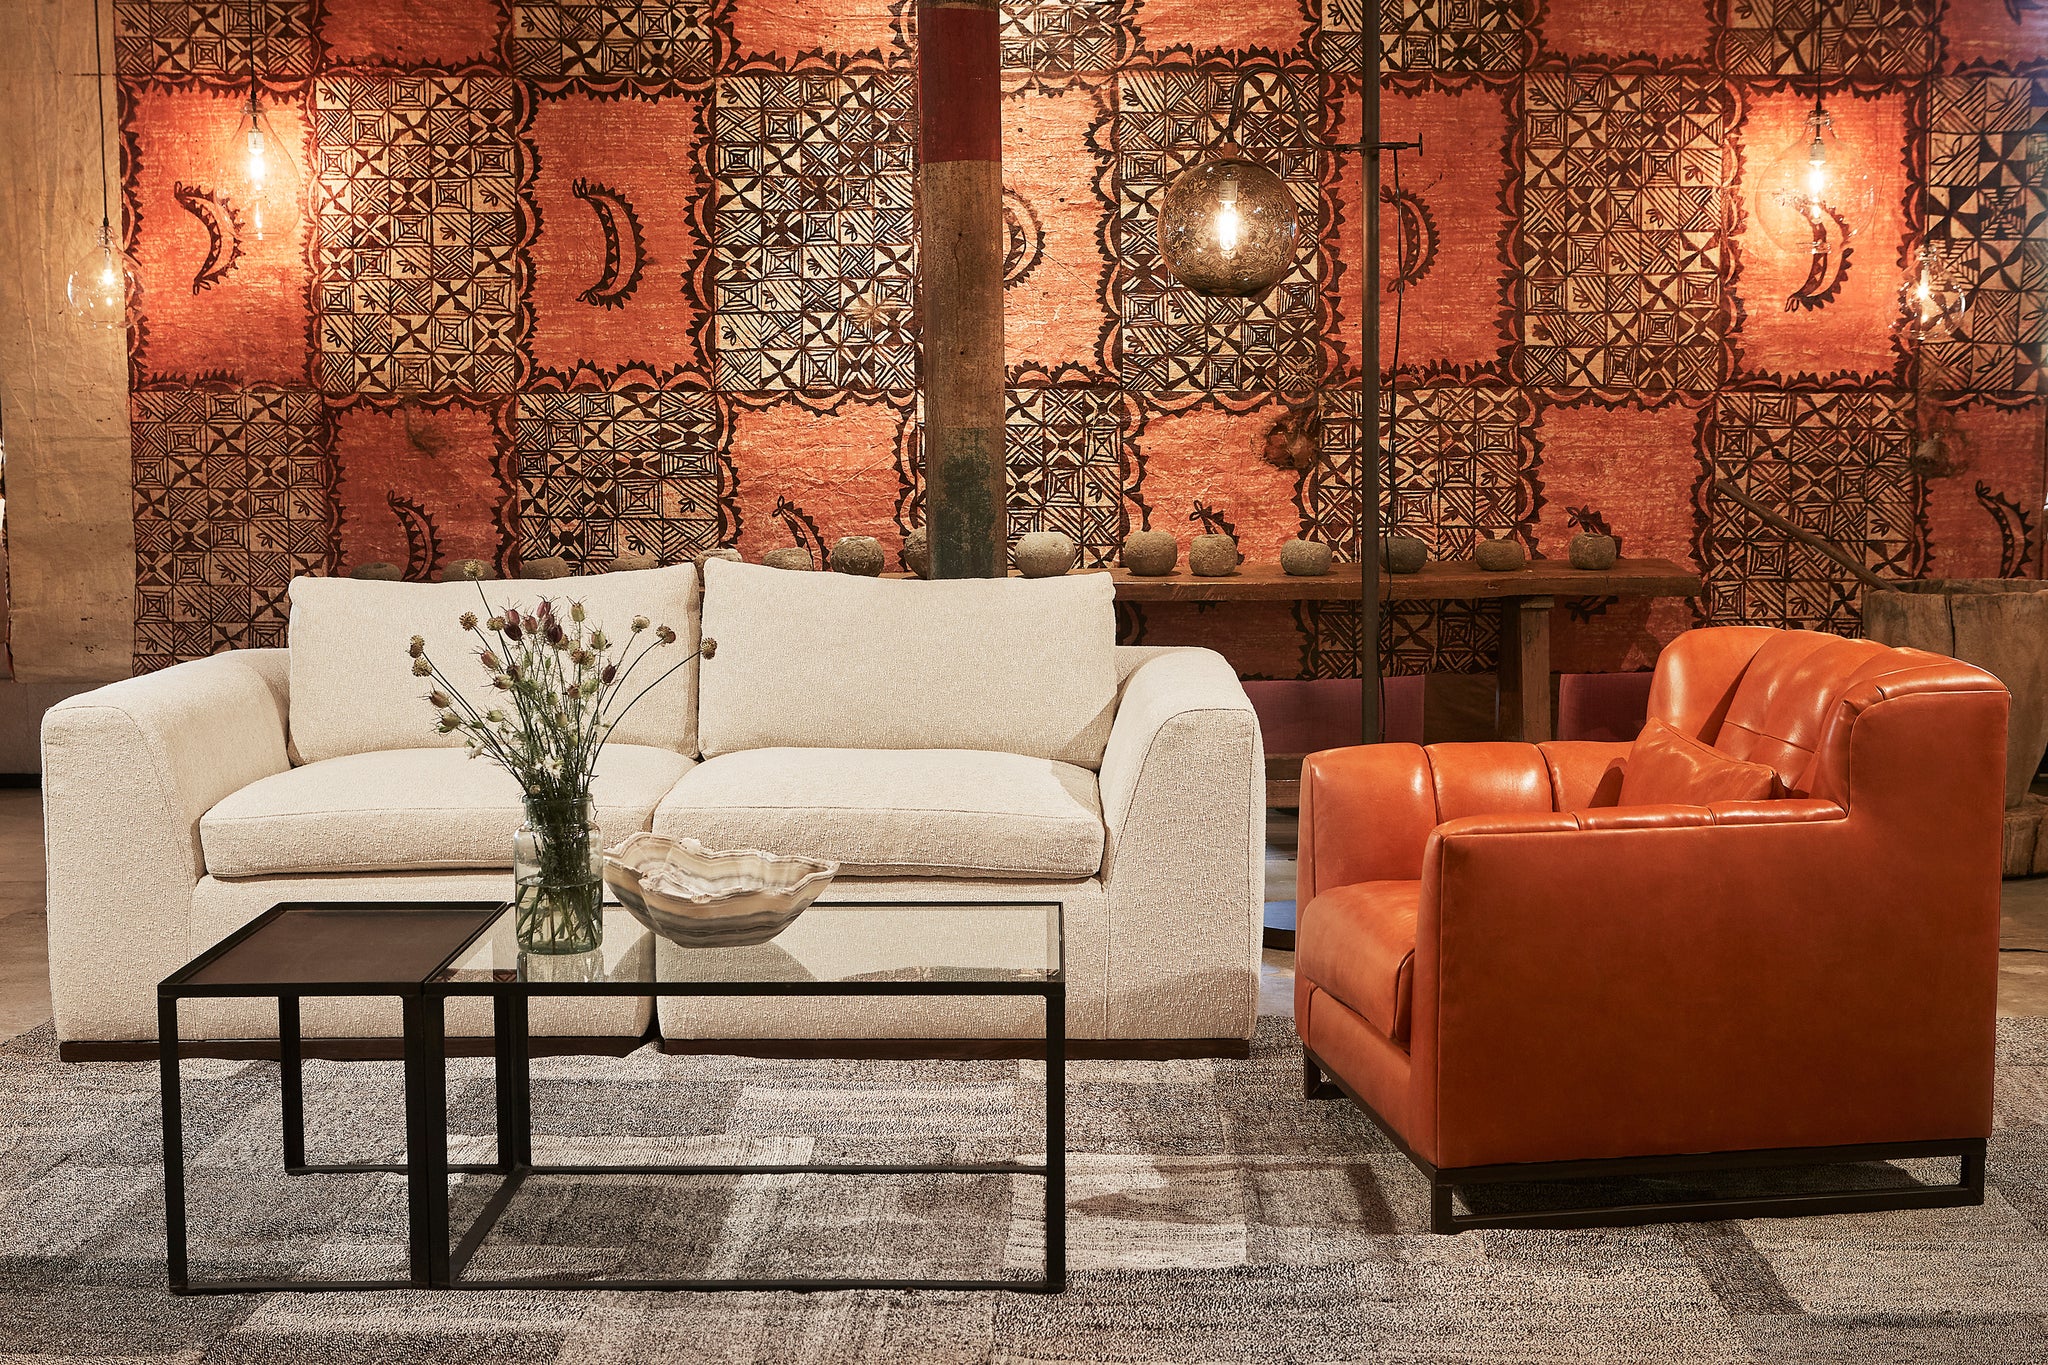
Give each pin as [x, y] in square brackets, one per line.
[813, 268]
[234, 494]
[215, 42]
[1987, 217]
[1836, 464]
[1865, 40]
[1174, 340]
[1463, 467]
[593, 277]
[1064, 37]
[642, 471]
[1067, 451]
[563, 44]
[417, 276]
[1623, 237]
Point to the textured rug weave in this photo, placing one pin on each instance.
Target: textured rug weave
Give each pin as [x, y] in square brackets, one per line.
[1214, 1215]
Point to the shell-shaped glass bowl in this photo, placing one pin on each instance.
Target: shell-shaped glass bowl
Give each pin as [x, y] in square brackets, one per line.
[711, 898]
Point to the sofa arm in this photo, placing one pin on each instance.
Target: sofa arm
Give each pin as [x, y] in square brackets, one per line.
[1184, 804]
[128, 769]
[1653, 980]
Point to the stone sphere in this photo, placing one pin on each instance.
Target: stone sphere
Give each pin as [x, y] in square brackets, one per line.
[1404, 554]
[1500, 556]
[389, 573]
[788, 557]
[1594, 552]
[1306, 558]
[549, 566]
[1043, 554]
[917, 553]
[725, 553]
[468, 571]
[860, 556]
[1151, 554]
[1213, 555]
[632, 560]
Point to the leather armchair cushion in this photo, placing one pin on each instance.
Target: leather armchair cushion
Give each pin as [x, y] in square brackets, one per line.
[1358, 943]
[1667, 767]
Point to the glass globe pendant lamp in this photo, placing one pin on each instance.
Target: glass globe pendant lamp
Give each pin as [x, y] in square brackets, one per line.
[260, 175]
[1933, 300]
[1227, 226]
[1814, 196]
[104, 285]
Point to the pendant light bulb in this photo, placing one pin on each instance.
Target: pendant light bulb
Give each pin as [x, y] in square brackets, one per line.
[1933, 301]
[1229, 225]
[261, 176]
[103, 285]
[1812, 197]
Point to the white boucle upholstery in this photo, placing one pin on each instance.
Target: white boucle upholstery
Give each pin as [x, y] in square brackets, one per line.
[352, 687]
[410, 809]
[128, 770]
[1184, 800]
[830, 661]
[909, 812]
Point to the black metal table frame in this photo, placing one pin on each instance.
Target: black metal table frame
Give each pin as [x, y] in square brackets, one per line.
[433, 1262]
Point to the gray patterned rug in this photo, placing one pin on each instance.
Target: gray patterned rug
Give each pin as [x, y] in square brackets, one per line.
[1215, 1216]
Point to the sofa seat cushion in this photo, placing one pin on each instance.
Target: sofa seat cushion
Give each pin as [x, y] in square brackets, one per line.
[1358, 943]
[896, 812]
[405, 809]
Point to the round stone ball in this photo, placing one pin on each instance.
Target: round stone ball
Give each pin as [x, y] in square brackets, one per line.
[383, 572]
[1213, 555]
[468, 571]
[1404, 554]
[788, 557]
[726, 552]
[632, 560]
[917, 553]
[1305, 558]
[1594, 552]
[1500, 556]
[549, 566]
[1043, 554]
[1151, 554]
[860, 556]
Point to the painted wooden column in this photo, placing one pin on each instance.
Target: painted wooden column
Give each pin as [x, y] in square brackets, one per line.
[961, 242]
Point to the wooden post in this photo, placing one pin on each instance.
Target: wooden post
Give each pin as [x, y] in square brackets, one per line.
[961, 245]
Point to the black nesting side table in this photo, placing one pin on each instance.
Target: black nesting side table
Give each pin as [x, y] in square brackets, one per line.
[292, 951]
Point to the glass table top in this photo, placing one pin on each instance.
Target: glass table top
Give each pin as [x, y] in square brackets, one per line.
[833, 941]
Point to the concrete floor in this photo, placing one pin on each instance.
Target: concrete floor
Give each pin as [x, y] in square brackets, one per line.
[24, 958]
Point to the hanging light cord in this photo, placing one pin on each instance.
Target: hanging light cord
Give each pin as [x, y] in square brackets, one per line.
[99, 86]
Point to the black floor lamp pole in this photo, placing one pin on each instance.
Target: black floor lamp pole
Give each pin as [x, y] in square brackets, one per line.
[1369, 364]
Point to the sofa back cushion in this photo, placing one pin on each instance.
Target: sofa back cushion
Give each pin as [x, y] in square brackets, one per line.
[353, 690]
[829, 661]
[1781, 706]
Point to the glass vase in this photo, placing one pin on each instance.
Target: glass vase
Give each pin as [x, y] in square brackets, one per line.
[558, 877]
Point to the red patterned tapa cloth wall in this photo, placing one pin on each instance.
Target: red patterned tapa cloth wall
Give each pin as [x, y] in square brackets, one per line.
[583, 277]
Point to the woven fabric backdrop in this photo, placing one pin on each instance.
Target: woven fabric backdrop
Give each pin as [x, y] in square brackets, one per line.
[582, 278]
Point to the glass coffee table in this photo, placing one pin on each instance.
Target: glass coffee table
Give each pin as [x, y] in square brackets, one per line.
[427, 955]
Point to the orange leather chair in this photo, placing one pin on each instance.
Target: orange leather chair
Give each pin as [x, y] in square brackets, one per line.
[1521, 980]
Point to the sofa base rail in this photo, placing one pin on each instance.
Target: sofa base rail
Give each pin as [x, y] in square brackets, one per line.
[1666, 1205]
[815, 1049]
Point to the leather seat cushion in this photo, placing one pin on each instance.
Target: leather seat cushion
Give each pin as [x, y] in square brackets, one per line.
[897, 812]
[1358, 943]
[402, 809]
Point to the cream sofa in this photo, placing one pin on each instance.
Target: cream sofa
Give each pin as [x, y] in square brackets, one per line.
[979, 741]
